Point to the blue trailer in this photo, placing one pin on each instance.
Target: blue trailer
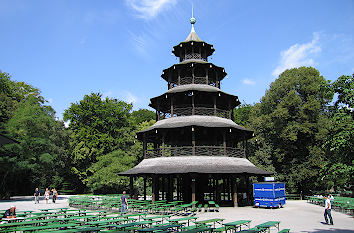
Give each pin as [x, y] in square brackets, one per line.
[269, 194]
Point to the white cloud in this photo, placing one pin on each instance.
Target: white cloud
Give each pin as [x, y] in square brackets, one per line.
[66, 124]
[298, 55]
[139, 42]
[129, 97]
[248, 81]
[148, 9]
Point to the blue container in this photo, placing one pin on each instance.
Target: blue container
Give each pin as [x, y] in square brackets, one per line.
[269, 194]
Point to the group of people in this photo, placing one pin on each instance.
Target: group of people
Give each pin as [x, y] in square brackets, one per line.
[37, 194]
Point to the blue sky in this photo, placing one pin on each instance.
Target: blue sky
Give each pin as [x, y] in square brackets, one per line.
[119, 48]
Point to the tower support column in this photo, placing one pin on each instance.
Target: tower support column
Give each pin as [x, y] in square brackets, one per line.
[131, 180]
[193, 188]
[234, 191]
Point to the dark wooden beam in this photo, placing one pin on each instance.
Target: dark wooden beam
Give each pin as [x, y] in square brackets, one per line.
[234, 191]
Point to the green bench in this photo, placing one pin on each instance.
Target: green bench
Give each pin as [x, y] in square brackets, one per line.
[268, 225]
[236, 224]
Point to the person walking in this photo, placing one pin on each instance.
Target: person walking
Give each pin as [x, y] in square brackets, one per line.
[46, 195]
[36, 195]
[55, 194]
[327, 212]
[123, 198]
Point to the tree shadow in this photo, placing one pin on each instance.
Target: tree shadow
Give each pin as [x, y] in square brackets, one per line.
[330, 231]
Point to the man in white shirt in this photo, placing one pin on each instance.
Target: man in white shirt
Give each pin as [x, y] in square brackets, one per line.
[328, 208]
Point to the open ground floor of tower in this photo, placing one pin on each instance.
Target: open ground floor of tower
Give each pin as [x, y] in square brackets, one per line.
[224, 189]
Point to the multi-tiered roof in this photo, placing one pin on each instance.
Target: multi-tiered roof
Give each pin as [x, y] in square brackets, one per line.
[194, 130]
[194, 117]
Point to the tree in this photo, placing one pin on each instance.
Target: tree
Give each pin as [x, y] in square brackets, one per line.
[40, 158]
[142, 115]
[339, 169]
[242, 114]
[99, 127]
[104, 178]
[11, 94]
[42, 149]
[291, 123]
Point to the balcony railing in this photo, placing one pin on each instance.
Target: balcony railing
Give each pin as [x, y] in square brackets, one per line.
[196, 56]
[196, 151]
[187, 111]
[197, 80]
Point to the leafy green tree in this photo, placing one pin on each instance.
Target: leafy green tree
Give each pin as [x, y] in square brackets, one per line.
[292, 127]
[11, 94]
[99, 126]
[242, 114]
[339, 170]
[142, 115]
[105, 171]
[104, 178]
[40, 158]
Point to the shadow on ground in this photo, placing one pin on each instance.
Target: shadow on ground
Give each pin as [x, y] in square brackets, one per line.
[332, 230]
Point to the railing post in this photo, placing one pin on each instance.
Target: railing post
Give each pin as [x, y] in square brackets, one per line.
[192, 75]
[193, 141]
[193, 107]
[163, 144]
[171, 106]
[179, 77]
[144, 146]
[224, 142]
[214, 99]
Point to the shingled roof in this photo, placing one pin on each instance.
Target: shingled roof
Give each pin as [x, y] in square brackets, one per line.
[193, 36]
[195, 120]
[195, 164]
[194, 87]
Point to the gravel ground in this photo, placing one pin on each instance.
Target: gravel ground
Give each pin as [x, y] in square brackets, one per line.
[299, 216]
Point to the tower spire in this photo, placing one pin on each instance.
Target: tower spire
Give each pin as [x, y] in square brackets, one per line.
[192, 20]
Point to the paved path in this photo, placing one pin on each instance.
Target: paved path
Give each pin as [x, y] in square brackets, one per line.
[27, 203]
[299, 216]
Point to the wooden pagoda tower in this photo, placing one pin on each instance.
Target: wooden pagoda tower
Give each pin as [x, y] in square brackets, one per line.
[195, 151]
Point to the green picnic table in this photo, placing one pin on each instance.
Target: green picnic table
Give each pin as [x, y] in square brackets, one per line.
[268, 225]
[134, 224]
[87, 217]
[25, 213]
[213, 220]
[139, 215]
[236, 224]
[45, 227]
[88, 229]
[162, 217]
[170, 227]
[110, 221]
[199, 229]
[178, 220]
[253, 230]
